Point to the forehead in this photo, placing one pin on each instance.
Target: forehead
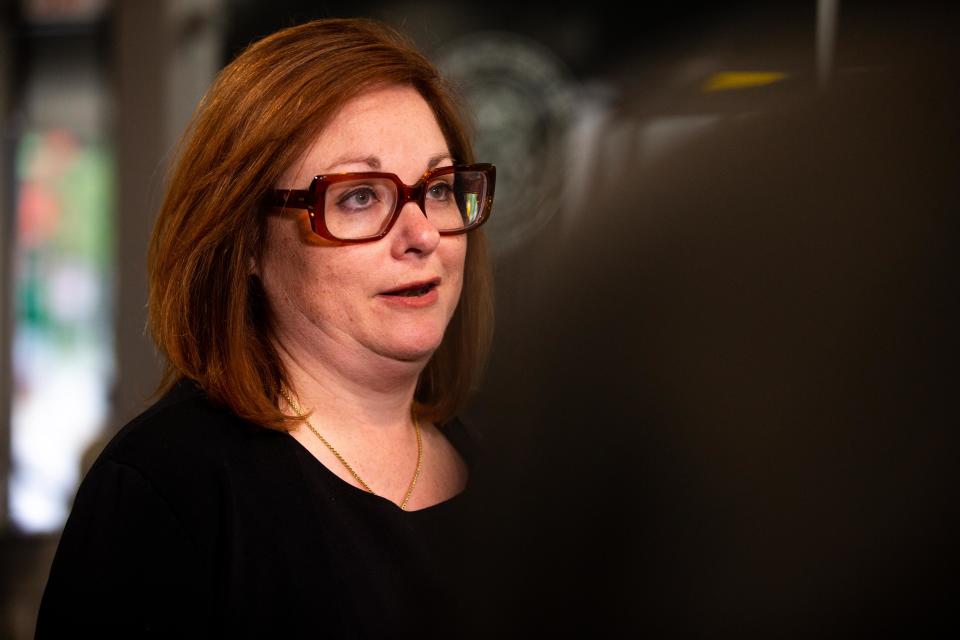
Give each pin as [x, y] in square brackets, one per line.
[391, 124]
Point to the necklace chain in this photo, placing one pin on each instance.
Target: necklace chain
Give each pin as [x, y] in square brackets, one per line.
[416, 425]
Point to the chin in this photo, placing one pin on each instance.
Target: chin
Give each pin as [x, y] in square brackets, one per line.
[418, 353]
[418, 350]
[407, 339]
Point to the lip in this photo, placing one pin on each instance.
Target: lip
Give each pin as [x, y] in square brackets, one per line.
[413, 302]
[413, 285]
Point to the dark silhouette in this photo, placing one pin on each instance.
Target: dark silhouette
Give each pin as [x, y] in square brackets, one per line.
[726, 404]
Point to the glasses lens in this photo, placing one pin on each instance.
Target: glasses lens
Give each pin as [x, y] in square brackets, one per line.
[360, 208]
[454, 201]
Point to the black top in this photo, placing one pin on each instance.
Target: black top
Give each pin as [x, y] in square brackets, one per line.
[193, 522]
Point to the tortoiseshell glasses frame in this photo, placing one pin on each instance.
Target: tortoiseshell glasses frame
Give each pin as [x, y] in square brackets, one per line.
[312, 199]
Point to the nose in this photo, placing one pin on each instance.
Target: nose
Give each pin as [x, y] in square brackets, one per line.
[413, 232]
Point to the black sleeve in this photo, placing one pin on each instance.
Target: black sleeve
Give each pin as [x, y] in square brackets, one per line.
[125, 565]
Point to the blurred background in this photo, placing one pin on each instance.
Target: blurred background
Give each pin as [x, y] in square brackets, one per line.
[721, 399]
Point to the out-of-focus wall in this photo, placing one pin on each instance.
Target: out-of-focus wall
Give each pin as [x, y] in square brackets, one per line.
[6, 219]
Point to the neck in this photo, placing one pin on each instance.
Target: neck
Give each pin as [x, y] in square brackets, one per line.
[352, 388]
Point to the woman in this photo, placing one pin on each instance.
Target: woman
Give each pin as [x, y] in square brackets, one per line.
[319, 287]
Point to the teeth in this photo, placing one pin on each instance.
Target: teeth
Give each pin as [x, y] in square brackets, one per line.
[410, 293]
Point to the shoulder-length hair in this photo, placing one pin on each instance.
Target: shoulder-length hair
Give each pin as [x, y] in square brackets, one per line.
[207, 314]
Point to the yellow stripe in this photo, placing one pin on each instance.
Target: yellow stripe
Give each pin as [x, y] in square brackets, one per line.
[725, 80]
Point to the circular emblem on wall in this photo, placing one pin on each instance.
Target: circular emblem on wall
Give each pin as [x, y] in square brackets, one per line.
[522, 100]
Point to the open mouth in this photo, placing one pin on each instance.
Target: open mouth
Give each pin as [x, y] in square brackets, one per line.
[413, 291]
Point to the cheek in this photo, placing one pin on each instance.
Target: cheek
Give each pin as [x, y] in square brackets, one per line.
[336, 280]
[277, 265]
[295, 277]
[454, 256]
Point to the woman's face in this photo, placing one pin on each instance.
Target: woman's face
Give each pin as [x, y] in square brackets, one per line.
[332, 300]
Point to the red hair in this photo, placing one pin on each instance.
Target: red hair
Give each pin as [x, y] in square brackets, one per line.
[207, 314]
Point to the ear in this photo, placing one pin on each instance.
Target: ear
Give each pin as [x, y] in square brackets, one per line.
[253, 269]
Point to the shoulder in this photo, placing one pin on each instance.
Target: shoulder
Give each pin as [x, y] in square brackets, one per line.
[468, 442]
[190, 458]
[163, 484]
[193, 453]
[184, 427]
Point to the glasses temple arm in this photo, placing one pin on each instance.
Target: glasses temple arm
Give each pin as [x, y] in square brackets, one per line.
[289, 198]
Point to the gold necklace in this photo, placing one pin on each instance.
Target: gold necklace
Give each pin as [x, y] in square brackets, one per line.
[416, 425]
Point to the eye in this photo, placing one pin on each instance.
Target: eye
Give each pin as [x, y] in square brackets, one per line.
[440, 190]
[358, 198]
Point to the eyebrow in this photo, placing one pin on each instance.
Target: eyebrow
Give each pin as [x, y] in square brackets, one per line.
[374, 162]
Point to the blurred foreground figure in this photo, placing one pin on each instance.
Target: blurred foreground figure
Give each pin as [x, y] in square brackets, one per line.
[734, 391]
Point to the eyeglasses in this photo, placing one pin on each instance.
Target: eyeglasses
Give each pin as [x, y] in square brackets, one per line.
[362, 207]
